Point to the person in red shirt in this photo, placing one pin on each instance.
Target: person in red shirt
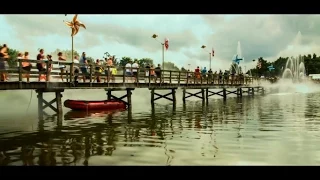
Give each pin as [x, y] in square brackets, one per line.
[197, 74]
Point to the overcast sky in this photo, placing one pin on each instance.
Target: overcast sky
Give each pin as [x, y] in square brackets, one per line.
[268, 36]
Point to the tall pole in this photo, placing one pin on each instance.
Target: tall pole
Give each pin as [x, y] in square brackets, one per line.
[162, 44]
[210, 60]
[71, 69]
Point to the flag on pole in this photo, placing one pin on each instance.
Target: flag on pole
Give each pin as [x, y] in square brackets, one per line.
[212, 52]
[166, 43]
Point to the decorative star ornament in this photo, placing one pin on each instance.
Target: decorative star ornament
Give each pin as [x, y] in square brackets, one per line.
[75, 25]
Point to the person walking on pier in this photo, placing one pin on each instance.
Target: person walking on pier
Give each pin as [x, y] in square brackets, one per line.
[83, 66]
[204, 74]
[76, 68]
[3, 61]
[62, 67]
[135, 68]
[26, 65]
[210, 76]
[158, 73]
[128, 70]
[41, 65]
[197, 75]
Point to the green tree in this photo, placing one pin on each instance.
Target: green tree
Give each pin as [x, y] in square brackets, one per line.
[183, 69]
[66, 53]
[144, 61]
[124, 61]
[170, 66]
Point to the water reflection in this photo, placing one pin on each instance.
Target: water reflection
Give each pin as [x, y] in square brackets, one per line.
[259, 130]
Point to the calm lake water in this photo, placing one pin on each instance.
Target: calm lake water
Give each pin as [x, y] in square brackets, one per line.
[281, 128]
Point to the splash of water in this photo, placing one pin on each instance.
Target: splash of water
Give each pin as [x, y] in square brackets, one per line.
[295, 69]
[239, 54]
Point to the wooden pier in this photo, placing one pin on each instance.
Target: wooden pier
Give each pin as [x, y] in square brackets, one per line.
[171, 82]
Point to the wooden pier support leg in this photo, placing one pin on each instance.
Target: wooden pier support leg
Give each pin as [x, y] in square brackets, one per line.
[252, 91]
[203, 95]
[129, 93]
[109, 94]
[224, 93]
[59, 120]
[207, 95]
[184, 96]
[59, 102]
[152, 97]
[173, 91]
[40, 105]
[239, 92]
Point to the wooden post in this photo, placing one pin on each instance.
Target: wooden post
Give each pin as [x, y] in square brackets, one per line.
[207, 94]
[262, 90]
[59, 102]
[187, 78]
[252, 89]
[129, 97]
[184, 95]
[149, 77]
[137, 78]
[109, 94]
[20, 69]
[239, 92]
[202, 93]
[179, 76]
[40, 104]
[152, 96]
[91, 69]
[108, 76]
[173, 95]
[224, 93]
[123, 75]
[170, 77]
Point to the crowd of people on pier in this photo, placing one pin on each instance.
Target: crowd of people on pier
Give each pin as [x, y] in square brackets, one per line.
[105, 69]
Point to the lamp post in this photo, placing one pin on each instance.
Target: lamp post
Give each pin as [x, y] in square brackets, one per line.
[203, 47]
[154, 36]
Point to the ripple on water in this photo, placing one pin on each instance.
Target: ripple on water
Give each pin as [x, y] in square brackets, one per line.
[279, 130]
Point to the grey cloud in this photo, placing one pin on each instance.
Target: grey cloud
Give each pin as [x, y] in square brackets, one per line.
[28, 26]
[260, 35]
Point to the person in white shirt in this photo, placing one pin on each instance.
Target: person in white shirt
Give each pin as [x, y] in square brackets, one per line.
[128, 71]
[135, 67]
[76, 68]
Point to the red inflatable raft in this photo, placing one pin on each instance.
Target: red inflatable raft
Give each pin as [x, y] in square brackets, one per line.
[94, 105]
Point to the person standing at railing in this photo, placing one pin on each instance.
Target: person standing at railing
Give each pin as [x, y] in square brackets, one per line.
[3, 60]
[76, 68]
[26, 65]
[40, 65]
[50, 65]
[204, 74]
[152, 73]
[108, 69]
[98, 70]
[62, 67]
[197, 74]
[147, 70]
[128, 69]
[210, 76]
[83, 66]
[158, 73]
[113, 74]
[135, 67]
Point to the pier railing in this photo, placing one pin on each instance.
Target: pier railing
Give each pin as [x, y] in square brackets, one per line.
[105, 73]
